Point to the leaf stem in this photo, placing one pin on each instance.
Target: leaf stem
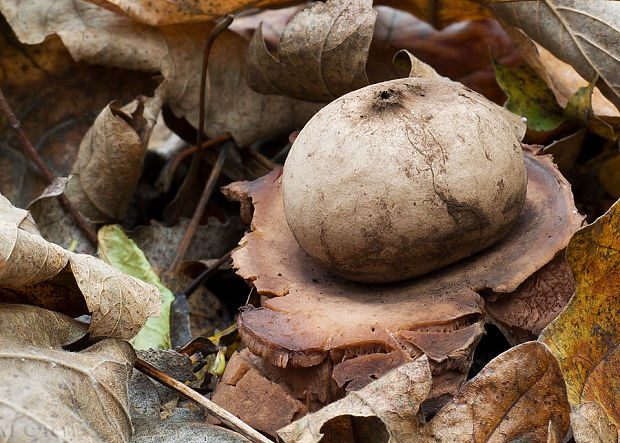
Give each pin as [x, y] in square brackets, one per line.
[218, 412]
[49, 177]
[222, 24]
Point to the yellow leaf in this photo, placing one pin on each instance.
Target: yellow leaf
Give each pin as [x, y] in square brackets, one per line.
[585, 336]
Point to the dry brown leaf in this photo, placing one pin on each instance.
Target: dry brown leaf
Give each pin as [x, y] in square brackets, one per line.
[515, 397]
[321, 55]
[35, 271]
[105, 174]
[48, 394]
[166, 12]
[160, 12]
[110, 160]
[582, 34]
[459, 52]
[98, 36]
[56, 100]
[383, 410]
[441, 13]
[585, 336]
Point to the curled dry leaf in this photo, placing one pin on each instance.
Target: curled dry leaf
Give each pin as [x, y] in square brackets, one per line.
[582, 34]
[520, 395]
[47, 393]
[321, 55]
[35, 271]
[110, 160]
[96, 35]
[370, 414]
[362, 331]
[585, 336]
[396, 29]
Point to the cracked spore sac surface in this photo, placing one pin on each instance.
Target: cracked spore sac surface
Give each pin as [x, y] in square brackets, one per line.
[403, 177]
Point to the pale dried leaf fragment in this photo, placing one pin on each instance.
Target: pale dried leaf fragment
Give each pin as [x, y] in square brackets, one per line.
[582, 34]
[384, 409]
[16, 216]
[96, 35]
[35, 271]
[321, 55]
[591, 424]
[48, 394]
[518, 395]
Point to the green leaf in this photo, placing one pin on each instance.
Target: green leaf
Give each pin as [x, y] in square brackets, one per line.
[529, 96]
[123, 254]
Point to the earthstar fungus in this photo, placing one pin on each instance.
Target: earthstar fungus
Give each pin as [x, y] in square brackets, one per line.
[318, 335]
[345, 334]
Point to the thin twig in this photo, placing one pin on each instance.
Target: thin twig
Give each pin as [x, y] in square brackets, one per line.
[204, 199]
[218, 412]
[36, 158]
[204, 275]
[222, 24]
